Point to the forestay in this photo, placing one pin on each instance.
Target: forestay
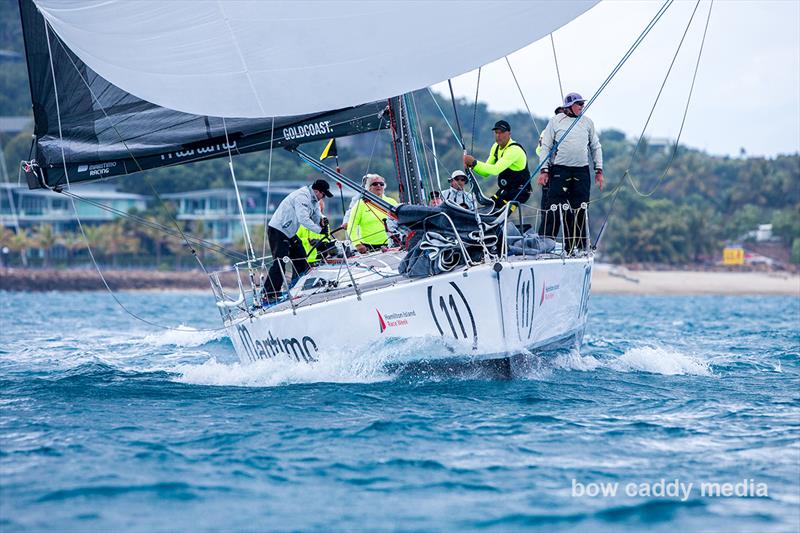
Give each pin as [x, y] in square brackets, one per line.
[252, 58]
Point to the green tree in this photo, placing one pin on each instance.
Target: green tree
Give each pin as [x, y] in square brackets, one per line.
[786, 225]
[18, 242]
[72, 243]
[45, 239]
[117, 241]
[95, 239]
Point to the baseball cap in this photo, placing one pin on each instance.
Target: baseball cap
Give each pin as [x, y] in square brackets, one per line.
[323, 187]
[502, 125]
[458, 174]
[571, 98]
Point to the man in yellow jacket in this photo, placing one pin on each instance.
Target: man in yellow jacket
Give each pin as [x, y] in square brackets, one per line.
[509, 162]
[366, 225]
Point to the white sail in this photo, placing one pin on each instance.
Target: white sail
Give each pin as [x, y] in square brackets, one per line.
[257, 58]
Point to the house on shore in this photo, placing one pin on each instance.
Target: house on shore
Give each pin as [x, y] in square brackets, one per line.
[218, 208]
[25, 208]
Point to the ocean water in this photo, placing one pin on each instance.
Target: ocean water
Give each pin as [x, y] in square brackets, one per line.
[678, 413]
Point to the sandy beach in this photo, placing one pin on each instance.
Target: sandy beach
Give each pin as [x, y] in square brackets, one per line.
[607, 279]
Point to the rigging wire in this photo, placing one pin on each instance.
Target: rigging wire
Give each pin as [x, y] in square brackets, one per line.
[663, 9]
[113, 126]
[202, 243]
[419, 139]
[238, 196]
[626, 174]
[455, 112]
[524, 101]
[455, 136]
[441, 112]
[685, 109]
[413, 135]
[680, 131]
[558, 71]
[375, 135]
[74, 207]
[269, 183]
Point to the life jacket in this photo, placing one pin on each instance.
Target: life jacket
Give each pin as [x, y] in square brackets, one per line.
[514, 179]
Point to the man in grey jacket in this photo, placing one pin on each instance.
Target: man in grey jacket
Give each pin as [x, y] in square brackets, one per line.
[301, 207]
[565, 175]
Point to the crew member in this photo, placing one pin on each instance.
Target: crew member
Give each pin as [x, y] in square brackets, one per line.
[310, 239]
[509, 162]
[367, 224]
[544, 206]
[353, 202]
[456, 193]
[301, 207]
[565, 173]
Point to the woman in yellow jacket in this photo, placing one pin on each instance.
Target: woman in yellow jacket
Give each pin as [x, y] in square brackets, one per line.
[366, 226]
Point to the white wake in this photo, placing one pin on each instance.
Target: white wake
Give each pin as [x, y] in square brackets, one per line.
[650, 359]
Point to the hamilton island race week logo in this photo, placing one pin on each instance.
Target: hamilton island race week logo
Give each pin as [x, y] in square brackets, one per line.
[526, 303]
[452, 314]
[548, 292]
[269, 347]
[394, 320]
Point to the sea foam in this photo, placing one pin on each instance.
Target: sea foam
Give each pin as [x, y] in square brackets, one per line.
[184, 336]
[365, 363]
[658, 360]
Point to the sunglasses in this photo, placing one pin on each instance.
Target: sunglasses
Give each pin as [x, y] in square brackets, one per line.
[377, 184]
[461, 178]
[579, 103]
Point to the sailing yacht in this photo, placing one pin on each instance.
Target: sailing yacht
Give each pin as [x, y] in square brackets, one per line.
[119, 87]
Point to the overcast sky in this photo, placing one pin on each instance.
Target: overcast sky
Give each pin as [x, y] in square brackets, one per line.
[747, 93]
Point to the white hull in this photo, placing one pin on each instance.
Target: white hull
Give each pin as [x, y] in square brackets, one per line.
[483, 313]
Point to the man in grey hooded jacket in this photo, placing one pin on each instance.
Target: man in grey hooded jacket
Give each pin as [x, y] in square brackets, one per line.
[301, 207]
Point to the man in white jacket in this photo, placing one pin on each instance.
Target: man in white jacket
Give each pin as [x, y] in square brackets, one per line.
[301, 207]
[565, 175]
[456, 193]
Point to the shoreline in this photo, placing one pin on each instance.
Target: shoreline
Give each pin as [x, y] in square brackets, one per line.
[606, 279]
[609, 279]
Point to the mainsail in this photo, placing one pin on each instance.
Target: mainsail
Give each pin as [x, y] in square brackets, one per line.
[105, 131]
[254, 58]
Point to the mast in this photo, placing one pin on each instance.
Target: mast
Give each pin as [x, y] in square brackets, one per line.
[406, 161]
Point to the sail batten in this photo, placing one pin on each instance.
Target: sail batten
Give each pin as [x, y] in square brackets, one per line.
[257, 59]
